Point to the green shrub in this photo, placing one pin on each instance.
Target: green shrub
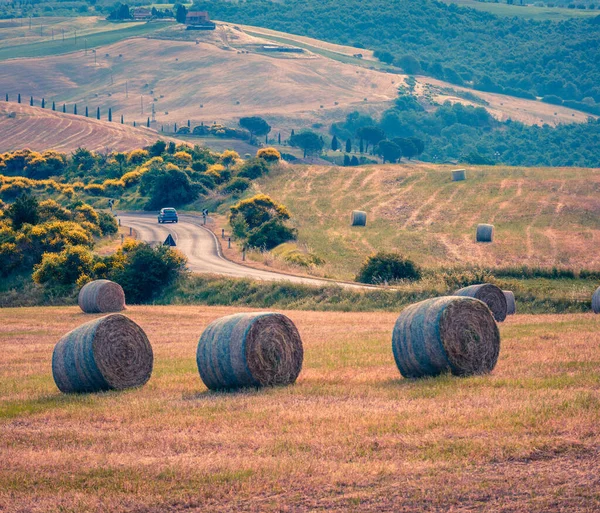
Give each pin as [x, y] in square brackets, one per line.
[253, 168]
[25, 210]
[144, 271]
[64, 268]
[384, 267]
[237, 185]
[271, 234]
[107, 223]
[169, 187]
[258, 210]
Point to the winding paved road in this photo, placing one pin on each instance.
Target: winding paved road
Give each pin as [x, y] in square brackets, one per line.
[202, 249]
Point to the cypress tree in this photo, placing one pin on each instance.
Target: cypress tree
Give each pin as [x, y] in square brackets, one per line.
[31, 101]
[110, 114]
[122, 120]
[75, 109]
[267, 139]
[134, 123]
[189, 124]
[86, 111]
[175, 127]
[148, 123]
[6, 96]
[43, 103]
[334, 143]
[292, 134]
[98, 113]
[19, 98]
[361, 147]
[53, 105]
[279, 138]
[64, 108]
[348, 145]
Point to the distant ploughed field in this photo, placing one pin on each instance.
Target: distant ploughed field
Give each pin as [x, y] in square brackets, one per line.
[40, 129]
[351, 435]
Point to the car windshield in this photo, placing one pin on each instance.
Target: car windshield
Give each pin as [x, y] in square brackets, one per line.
[169, 211]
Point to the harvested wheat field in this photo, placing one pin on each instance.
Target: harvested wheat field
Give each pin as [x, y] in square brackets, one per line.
[350, 435]
[542, 216]
[40, 129]
[199, 79]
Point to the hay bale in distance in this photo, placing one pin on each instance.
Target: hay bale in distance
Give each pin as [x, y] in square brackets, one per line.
[249, 350]
[458, 175]
[485, 232]
[511, 305]
[359, 218]
[446, 333]
[491, 295]
[101, 296]
[109, 353]
[596, 301]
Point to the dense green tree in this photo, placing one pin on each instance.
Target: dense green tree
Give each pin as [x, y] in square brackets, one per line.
[371, 135]
[389, 151]
[24, 210]
[255, 125]
[310, 142]
[334, 143]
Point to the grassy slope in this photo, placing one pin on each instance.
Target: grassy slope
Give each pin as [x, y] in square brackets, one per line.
[352, 435]
[546, 217]
[528, 11]
[95, 39]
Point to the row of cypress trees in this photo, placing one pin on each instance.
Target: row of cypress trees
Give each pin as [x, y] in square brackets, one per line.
[64, 108]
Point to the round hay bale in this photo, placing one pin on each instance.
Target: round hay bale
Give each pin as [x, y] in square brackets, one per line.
[101, 296]
[446, 333]
[511, 305]
[458, 175]
[491, 295]
[596, 301]
[249, 350]
[359, 218]
[485, 232]
[110, 353]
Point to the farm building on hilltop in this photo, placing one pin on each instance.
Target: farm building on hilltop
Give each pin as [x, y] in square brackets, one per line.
[198, 20]
[142, 14]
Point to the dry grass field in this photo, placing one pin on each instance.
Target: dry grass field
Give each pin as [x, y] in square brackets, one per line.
[542, 216]
[19, 31]
[223, 77]
[351, 435]
[40, 129]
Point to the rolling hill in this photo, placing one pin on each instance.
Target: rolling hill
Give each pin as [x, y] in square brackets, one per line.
[543, 216]
[223, 75]
[40, 129]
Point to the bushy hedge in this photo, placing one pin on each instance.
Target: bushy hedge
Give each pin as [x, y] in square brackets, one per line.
[387, 267]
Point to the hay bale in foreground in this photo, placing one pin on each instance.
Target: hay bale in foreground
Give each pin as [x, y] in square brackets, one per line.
[101, 296]
[485, 233]
[110, 353]
[359, 218]
[491, 295]
[446, 333]
[459, 175]
[596, 301]
[511, 305]
[249, 349]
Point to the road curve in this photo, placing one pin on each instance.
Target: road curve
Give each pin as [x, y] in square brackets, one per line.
[202, 249]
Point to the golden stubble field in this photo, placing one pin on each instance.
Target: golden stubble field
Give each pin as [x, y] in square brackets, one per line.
[542, 216]
[219, 76]
[351, 435]
[40, 129]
